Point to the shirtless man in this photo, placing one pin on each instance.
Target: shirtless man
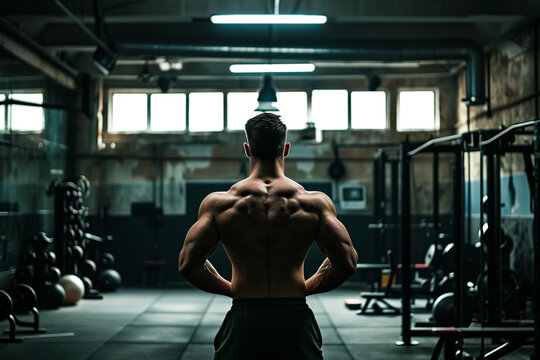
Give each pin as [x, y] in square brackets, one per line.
[267, 224]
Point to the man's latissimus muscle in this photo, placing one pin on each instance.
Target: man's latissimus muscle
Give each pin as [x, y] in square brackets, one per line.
[201, 241]
[267, 228]
[334, 241]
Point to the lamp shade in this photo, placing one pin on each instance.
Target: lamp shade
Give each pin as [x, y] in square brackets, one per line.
[267, 95]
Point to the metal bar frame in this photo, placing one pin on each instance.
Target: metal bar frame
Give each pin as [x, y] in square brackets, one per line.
[493, 156]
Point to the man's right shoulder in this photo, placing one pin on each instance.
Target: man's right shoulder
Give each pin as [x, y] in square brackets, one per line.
[215, 200]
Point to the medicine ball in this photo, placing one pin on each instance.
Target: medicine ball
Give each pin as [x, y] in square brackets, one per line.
[53, 274]
[89, 268]
[107, 260]
[88, 285]
[108, 280]
[74, 288]
[51, 296]
[76, 252]
[51, 258]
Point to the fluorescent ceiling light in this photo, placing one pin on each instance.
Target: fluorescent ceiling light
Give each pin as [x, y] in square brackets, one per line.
[268, 19]
[271, 68]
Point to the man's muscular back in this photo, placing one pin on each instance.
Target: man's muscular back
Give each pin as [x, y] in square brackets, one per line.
[267, 228]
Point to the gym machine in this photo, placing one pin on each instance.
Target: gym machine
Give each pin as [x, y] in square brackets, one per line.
[491, 144]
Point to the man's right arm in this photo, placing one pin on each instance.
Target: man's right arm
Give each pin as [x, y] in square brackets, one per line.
[335, 242]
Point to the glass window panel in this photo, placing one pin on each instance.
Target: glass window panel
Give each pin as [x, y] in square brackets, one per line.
[293, 107]
[129, 112]
[2, 113]
[240, 108]
[205, 111]
[417, 111]
[27, 118]
[368, 110]
[329, 109]
[168, 112]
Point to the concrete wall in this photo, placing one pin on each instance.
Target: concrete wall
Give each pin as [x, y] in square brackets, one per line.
[512, 101]
[159, 168]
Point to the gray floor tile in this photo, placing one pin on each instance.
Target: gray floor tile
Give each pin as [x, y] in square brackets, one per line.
[212, 319]
[198, 352]
[49, 350]
[178, 307]
[160, 323]
[390, 352]
[113, 351]
[322, 320]
[369, 335]
[155, 334]
[336, 352]
[352, 319]
[173, 319]
[315, 304]
[330, 336]
[205, 335]
[219, 307]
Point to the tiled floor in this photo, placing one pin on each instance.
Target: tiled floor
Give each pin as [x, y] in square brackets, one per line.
[181, 323]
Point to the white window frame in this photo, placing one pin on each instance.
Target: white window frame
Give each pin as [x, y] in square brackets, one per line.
[310, 108]
[388, 102]
[437, 108]
[148, 92]
[7, 115]
[224, 110]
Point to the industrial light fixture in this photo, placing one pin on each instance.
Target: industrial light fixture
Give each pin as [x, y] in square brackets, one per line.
[275, 18]
[374, 81]
[271, 68]
[267, 96]
[169, 64]
[104, 59]
[267, 19]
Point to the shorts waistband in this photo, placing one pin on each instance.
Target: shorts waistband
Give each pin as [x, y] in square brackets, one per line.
[268, 301]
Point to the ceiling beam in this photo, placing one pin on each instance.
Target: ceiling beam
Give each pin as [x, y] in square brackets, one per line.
[28, 51]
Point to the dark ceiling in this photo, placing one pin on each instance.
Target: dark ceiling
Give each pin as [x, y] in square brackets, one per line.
[154, 25]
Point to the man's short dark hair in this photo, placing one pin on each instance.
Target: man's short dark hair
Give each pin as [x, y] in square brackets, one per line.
[266, 135]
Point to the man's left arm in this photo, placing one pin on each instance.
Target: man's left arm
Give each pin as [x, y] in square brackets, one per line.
[201, 241]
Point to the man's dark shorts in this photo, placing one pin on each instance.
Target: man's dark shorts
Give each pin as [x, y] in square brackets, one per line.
[269, 329]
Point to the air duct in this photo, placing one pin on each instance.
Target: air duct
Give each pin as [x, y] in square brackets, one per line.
[465, 50]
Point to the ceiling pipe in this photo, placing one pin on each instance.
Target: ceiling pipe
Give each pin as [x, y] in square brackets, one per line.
[465, 50]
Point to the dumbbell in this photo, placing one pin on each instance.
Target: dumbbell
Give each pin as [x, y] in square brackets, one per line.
[6, 313]
[27, 258]
[24, 298]
[107, 260]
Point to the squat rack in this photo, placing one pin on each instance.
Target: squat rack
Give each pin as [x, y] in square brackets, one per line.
[493, 147]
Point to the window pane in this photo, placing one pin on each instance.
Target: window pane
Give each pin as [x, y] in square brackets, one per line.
[129, 112]
[329, 109]
[206, 111]
[292, 107]
[27, 118]
[240, 108]
[168, 112]
[368, 110]
[2, 113]
[416, 111]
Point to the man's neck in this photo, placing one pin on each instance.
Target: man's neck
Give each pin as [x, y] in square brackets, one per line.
[264, 169]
